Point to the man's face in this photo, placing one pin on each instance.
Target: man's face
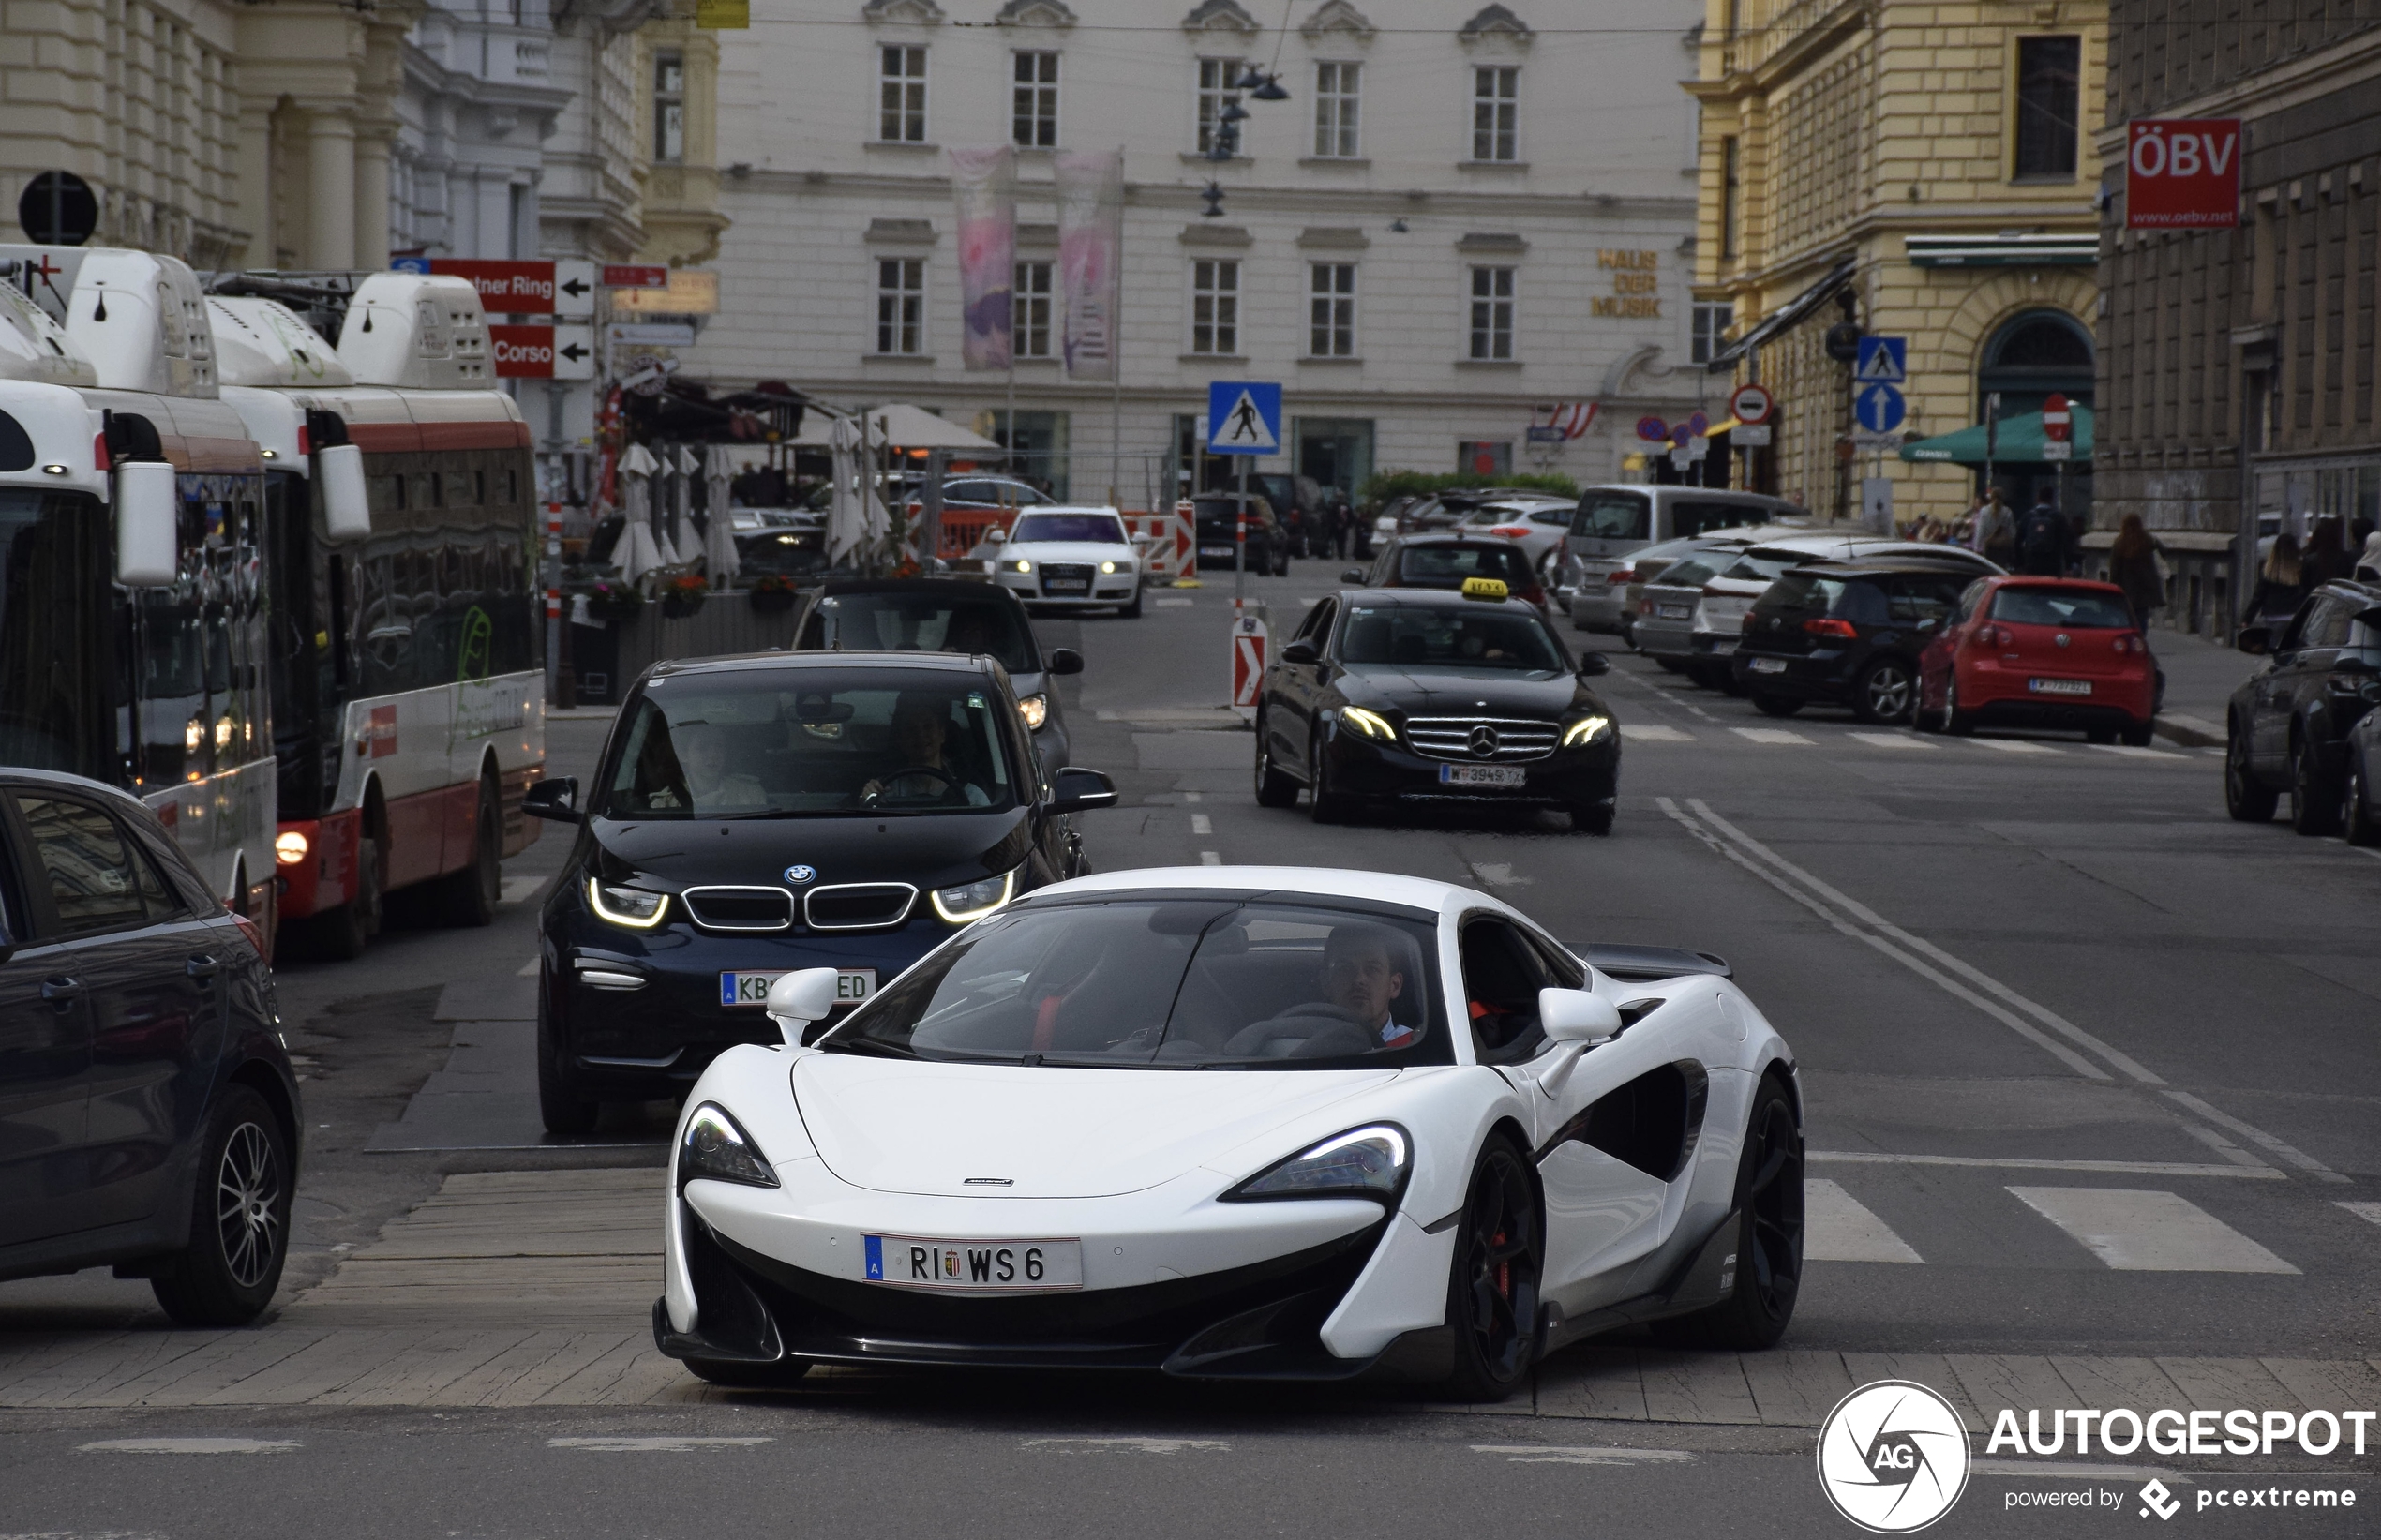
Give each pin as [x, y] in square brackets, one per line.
[1363, 982]
[702, 755]
[918, 739]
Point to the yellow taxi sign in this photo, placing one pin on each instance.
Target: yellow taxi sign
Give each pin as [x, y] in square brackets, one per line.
[1484, 587]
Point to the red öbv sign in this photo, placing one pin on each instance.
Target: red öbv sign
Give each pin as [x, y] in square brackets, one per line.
[2182, 174]
[503, 285]
[523, 352]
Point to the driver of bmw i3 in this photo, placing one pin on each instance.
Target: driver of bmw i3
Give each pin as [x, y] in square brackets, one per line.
[1362, 976]
[918, 737]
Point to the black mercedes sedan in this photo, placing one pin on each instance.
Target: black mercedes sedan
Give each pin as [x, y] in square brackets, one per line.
[1388, 695]
[756, 814]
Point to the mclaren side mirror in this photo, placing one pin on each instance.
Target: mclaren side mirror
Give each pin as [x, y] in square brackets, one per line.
[1080, 790]
[147, 533]
[2256, 640]
[799, 998]
[1064, 660]
[1577, 1015]
[1592, 663]
[556, 799]
[1300, 653]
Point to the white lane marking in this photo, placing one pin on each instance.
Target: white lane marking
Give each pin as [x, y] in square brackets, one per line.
[1975, 975]
[1647, 732]
[1727, 851]
[661, 1443]
[1838, 1227]
[2298, 1157]
[2129, 752]
[2181, 721]
[2013, 746]
[1573, 1454]
[1092, 1445]
[2369, 1213]
[515, 890]
[1893, 740]
[2222, 1145]
[188, 1446]
[1192, 797]
[1771, 736]
[527, 970]
[1171, 604]
[2005, 1162]
[1211, 857]
[1498, 874]
[1201, 823]
[2148, 1232]
[1308, 602]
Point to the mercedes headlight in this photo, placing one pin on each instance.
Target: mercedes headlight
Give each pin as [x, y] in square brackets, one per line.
[1035, 709]
[1370, 724]
[1367, 1163]
[718, 1147]
[1019, 564]
[971, 900]
[1587, 729]
[633, 908]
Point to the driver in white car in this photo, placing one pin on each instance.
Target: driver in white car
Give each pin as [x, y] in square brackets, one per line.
[920, 726]
[1362, 976]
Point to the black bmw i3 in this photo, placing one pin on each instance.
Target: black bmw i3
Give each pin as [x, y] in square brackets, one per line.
[756, 814]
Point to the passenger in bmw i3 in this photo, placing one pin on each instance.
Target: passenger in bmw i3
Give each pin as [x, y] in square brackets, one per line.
[757, 815]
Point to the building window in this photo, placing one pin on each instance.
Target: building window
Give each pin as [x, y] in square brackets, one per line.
[2049, 78]
[1033, 101]
[1496, 113]
[1331, 311]
[900, 306]
[1712, 323]
[1030, 330]
[1215, 84]
[1335, 91]
[1491, 312]
[670, 105]
[1215, 308]
[1731, 181]
[901, 96]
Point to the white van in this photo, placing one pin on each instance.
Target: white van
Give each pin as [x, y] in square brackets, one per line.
[1613, 523]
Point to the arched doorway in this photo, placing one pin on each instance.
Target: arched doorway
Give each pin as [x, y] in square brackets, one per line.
[2030, 357]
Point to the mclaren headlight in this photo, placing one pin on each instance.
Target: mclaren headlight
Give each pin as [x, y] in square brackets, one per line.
[1370, 724]
[1367, 1163]
[632, 907]
[1035, 709]
[718, 1147]
[1587, 730]
[971, 900]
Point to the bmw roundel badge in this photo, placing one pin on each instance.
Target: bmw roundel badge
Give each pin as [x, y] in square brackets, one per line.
[800, 874]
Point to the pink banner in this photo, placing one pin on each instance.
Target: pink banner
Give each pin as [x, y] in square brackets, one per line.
[985, 180]
[1090, 259]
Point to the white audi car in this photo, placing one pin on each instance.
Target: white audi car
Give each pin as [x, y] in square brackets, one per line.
[1241, 1122]
[1071, 559]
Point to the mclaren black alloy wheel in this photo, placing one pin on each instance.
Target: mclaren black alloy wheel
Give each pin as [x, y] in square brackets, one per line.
[239, 1219]
[2247, 798]
[1769, 1237]
[1492, 1300]
[1274, 787]
[1885, 691]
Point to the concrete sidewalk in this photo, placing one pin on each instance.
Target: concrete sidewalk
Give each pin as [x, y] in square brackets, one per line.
[2201, 676]
[534, 1289]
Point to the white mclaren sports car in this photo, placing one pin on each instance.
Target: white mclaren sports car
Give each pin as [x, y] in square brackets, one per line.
[1241, 1123]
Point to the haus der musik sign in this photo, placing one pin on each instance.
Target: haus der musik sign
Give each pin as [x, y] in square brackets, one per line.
[1636, 285]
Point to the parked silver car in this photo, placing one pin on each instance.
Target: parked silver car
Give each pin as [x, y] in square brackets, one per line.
[1538, 525]
[1612, 524]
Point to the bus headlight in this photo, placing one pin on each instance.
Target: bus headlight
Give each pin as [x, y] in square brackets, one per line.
[290, 848]
[631, 907]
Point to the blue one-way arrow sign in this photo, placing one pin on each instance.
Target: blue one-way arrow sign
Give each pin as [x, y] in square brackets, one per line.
[1879, 409]
[1883, 361]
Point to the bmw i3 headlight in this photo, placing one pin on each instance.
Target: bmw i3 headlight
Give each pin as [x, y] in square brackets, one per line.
[1370, 724]
[1035, 709]
[633, 908]
[971, 900]
[1367, 1163]
[718, 1147]
[1587, 729]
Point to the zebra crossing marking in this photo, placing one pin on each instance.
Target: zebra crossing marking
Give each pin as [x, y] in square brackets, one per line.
[2130, 752]
[1891, 741]
[1769, 734]
[2370, 1213]
[2014, 745]
[1838, 1227]
[1647, 732]
[2149, 1231]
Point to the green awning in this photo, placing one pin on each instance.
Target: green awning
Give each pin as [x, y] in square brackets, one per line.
[2019, 442]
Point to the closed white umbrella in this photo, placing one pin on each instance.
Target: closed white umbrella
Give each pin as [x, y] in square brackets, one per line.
[681, 496]
[719, 540]
[846, 519]
[636, 469]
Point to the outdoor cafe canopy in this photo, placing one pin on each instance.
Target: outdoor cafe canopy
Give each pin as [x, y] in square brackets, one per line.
[2020, 443]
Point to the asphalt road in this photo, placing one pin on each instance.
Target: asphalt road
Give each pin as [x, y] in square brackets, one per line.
[2090, 1071]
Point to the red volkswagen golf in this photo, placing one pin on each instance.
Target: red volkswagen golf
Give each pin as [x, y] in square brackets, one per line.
[2040, 653]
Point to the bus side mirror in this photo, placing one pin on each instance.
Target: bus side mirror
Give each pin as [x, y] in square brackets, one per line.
[338, 477]
[147, 537]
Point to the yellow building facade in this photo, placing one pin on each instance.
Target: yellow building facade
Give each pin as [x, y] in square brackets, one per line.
[1924, 171]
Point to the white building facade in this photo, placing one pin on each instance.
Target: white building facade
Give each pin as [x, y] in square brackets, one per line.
[478, 103]
[1459, 220]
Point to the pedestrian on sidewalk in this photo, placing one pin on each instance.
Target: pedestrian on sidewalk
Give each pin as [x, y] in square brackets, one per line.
[2279, 588]
[2133, 566]
[2324, 557]
[2368, 563]
[2046, 544]
[1342, 528]
[1994, 531]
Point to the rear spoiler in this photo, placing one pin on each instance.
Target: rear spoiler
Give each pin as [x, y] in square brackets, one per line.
[1646, 962]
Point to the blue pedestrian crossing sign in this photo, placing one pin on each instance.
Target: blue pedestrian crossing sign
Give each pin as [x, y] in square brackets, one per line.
[1244, 417]
[1879, 409]
[1883, 361]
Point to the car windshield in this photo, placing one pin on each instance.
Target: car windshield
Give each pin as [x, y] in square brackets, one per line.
[787, 553]
[794, 742]
[1449, 565]
[2081, 608]
[1411, 637]
[921, 622]
[1691, 571]
[1170, 984]
[1613, 515]
[1101, 528]
[1759, 567]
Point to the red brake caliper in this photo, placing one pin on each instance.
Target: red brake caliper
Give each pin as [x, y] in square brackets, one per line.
[1503, 1270]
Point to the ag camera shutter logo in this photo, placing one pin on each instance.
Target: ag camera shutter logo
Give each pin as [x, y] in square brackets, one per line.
[1893, 1457]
